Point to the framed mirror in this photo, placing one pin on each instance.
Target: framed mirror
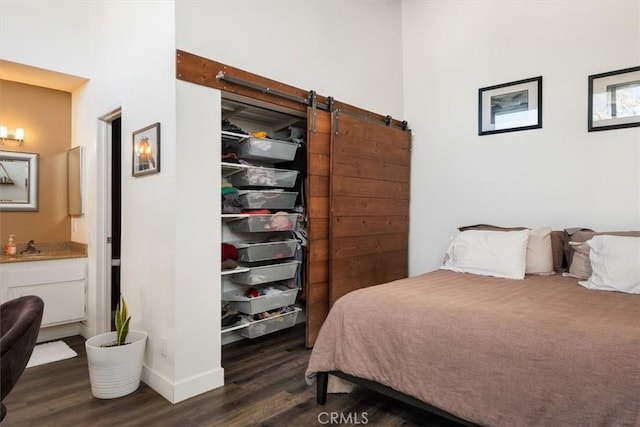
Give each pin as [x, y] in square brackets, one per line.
[18, 181]
[74, 170]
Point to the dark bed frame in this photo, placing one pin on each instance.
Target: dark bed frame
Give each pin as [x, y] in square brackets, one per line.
[322, 380]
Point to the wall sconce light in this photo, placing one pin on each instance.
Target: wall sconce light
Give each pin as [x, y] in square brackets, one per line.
[18, 136]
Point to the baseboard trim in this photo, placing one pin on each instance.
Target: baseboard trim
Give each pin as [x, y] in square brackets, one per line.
[177, 392]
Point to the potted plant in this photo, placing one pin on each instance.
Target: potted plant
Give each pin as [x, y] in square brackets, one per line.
[115, 358]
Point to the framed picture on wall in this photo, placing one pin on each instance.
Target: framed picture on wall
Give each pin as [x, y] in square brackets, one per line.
[510, 107]
[614, 100]
[146, 150]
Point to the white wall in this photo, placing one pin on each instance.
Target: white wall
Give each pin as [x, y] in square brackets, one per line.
[197, 231]
[133, 67]
[348, 49]
[560, 175]
[47, 34]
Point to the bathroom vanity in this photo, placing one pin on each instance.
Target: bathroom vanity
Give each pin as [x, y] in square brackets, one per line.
[59, 278]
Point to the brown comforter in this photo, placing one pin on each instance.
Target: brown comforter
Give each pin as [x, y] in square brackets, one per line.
[542, 351]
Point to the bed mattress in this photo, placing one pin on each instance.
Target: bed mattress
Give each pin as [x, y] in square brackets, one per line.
[541, 351]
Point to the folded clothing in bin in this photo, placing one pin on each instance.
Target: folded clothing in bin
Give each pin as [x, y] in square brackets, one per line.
[258, 300]
[268, 273]
[280, 221]
[271, 321]
[266, 250]
[277, 312]
[231, 202]
[258, 176]
[268, 199]
[271, 313]
[265, 290]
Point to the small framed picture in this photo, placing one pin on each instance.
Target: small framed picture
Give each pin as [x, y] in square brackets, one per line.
[510, 107]
[614, 100]
[146, 150]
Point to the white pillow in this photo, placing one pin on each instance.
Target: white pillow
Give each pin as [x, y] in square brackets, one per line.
[489, 253]
[615, 264]
[539, 252]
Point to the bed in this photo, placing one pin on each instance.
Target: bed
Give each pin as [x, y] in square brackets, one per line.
[490, 351]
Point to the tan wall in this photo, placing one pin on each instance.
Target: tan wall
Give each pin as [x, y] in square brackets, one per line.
[45, 115]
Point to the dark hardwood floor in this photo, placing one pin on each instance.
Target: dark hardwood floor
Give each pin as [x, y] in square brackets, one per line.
[264, 386]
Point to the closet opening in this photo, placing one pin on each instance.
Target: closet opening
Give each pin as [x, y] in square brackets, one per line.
[355, 190]
[264, 238]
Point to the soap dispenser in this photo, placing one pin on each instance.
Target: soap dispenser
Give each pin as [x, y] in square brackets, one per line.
[10, 247]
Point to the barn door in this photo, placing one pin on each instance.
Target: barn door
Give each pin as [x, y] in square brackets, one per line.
[368, 205]
[318, 169]
[357, 209]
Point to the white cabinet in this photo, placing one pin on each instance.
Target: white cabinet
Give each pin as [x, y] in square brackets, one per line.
[62, 285]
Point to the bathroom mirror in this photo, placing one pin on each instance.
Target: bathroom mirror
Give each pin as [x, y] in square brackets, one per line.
[18, 181]
[74, 168]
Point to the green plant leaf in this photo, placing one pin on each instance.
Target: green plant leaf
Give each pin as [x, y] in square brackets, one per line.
[122, 321]
[123, 332]
[118, 318]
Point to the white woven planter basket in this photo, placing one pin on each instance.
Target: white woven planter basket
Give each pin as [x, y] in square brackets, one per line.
[115, 371]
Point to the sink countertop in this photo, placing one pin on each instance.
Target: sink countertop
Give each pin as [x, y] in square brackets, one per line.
[48, 251]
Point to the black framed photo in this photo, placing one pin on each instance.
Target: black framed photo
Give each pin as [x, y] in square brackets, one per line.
[146, 150]
[614, 100]
[510, 107]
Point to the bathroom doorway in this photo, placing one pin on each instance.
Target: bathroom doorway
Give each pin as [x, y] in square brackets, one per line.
[109, 214]
[116, 212]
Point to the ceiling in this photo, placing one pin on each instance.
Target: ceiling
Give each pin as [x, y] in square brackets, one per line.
[26, 74]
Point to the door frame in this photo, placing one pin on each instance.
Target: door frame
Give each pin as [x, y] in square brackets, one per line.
[103, 220]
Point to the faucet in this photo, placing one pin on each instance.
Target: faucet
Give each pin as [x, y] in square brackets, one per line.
[31, 248]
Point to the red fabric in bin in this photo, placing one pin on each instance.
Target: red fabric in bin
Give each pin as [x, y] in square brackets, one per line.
[229, 252]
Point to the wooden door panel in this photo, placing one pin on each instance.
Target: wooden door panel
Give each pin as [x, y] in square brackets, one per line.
[359, 128]
[372, 225]
[319, 184]
[320, 252]
[358, 209]
[375, 151]
[346, 247]
[369, 204]
[352, 273]
[319, 164]
[319, 229]
[318, 169]
[318, 273]
[367, 187]
[372, 169]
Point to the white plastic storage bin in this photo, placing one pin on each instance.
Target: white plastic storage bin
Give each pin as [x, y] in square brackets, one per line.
[267, 273]
[255, 199]
[267, 150]
[253, 252]
[239, 302]
[266, 326]
[264, 177]
[280, 221]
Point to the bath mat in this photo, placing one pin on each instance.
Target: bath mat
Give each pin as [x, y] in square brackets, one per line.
[50, 352]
